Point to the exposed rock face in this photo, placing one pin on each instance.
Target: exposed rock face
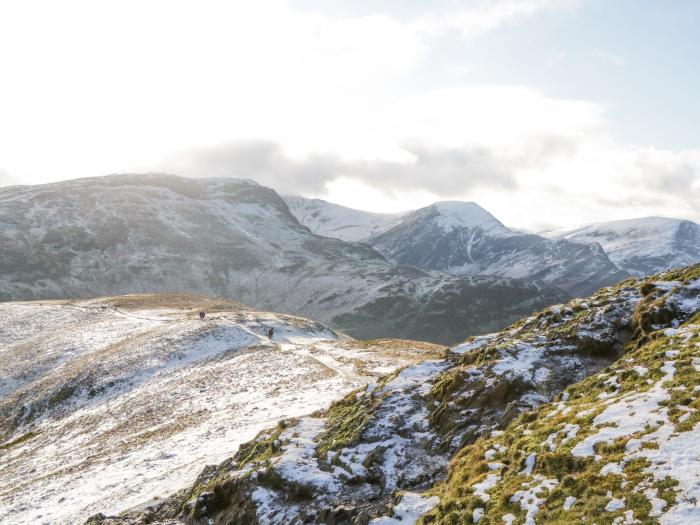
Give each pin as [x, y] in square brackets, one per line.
[155, 233]
[462, 238]
[642, 246]
[385, 450]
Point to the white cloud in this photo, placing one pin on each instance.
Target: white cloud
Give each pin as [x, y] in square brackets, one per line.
[472, 18]
[337, 104]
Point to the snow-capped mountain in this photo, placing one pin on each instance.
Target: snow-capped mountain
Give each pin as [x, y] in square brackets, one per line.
[333, 220]
[642, 246]
[585, 412]
[108, 403]
[235, 239]
[462, 238]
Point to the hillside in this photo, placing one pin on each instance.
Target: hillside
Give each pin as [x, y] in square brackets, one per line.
[584, 410]
[107, 403]
[333, 220]
[642, 246]
[154, 233]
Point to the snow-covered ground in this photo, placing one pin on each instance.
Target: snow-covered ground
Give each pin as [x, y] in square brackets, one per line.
[641, 246]
[333, 220]
[106, 407]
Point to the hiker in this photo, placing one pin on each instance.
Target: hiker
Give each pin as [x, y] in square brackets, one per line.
[201, 315]
[270, 333]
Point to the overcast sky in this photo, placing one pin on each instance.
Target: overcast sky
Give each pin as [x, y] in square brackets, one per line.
[545, 112]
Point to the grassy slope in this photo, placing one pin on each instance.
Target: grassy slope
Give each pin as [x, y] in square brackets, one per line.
[552, 431]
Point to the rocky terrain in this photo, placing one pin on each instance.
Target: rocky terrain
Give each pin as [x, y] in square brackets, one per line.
[642, 246]
[108, 403]
[154, 233]
[584, 412]
[461, 238]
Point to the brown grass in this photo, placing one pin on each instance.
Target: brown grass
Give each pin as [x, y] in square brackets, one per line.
[173, 300]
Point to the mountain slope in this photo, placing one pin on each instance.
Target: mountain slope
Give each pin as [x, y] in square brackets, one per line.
[490, 433]
[619, 447]
[462, 238]
[642, 246]
[333, 220]
[110, 402]
[229, 238]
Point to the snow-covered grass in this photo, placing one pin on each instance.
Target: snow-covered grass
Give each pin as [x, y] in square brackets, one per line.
[159, 394]
[619, 447]
[411, 507]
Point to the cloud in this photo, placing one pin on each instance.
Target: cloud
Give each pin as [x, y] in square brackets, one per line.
[551, 180]
[663, 177]
[7, 179]
[472, 18]
[469, 18]
[437, 170]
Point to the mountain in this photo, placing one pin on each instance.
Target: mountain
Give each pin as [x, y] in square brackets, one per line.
[333, 220]
[642, 246]
[587, 411]
[462, 238]
[106, 403]
[154, 233]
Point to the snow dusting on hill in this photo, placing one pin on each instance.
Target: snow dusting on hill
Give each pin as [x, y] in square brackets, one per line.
[109, 403]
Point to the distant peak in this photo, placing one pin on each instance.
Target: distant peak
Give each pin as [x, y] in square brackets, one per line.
[461, 214]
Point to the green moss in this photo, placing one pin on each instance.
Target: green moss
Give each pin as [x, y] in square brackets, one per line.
[263, 447]
[684, 275]
[21, 439]
[578, 477]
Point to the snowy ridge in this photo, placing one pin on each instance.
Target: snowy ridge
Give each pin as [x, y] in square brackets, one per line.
[158, 233]
[462, 238]
[450, 215]
[642, 246]
[109, 403]
[461, 428]
[333, 220]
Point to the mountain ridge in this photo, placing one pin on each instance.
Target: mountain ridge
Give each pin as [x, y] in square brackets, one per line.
[499, 429]
[464, 239]
[107, 401]
[642, 246]
[158, 233]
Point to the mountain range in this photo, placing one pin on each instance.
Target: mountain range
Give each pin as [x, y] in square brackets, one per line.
[461, 238]
[642, 246]
[439, 273]
[238, 240]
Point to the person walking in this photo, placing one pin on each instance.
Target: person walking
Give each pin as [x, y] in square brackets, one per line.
[270, 333]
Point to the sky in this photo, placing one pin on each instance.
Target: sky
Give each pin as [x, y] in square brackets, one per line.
[548, 113]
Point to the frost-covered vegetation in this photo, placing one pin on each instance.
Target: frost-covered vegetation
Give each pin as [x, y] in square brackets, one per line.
[619, 447]
[109, 403]
[584, 412]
